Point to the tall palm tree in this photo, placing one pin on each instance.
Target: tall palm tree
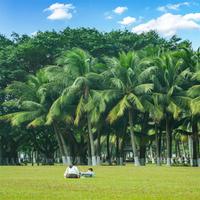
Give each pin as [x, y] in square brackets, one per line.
[81, 66]
[129, 83]
[169, 91]
[194, 110]
[192, 84]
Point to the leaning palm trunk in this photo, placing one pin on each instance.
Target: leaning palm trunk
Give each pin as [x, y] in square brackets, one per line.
[66, 150]
[94, 162]
[62, 146]
[169, 142]
[64, 160]
[133, 140]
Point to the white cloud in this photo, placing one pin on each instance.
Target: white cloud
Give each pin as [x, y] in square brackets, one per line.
[193, 16]
[172, 6]
[109, 17]
[127, 21]
[60, 11]
[119, 10]
[168, 24]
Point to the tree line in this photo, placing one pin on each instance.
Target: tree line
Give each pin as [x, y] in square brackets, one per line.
[86, 96]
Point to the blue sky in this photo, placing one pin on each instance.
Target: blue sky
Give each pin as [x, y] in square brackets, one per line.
[168, 17]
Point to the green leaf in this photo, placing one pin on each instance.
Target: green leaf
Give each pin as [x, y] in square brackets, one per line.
[134, 101]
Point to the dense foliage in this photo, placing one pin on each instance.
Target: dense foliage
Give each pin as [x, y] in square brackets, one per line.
[88, 97]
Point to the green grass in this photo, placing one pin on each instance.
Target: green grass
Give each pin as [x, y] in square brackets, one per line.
[129, 182]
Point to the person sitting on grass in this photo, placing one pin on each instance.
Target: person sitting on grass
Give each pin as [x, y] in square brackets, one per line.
[72, 172]
[89, 173]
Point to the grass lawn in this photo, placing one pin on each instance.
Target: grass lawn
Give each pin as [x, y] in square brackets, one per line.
[128, 182]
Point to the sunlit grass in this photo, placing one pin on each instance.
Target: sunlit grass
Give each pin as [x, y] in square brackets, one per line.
[129, 182]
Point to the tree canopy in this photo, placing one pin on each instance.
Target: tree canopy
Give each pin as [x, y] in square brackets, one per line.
[86, 96]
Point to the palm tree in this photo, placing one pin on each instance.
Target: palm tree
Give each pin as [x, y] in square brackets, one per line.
[33, 100]
[169, 91]
[194, 113]
[129, 83]
[81, 66]
[192, 62]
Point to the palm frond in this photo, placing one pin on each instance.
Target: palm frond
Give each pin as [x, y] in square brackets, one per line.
[30, 106]
[119, 110]
[147, 74]
[195, 106]
[116, 82]
[21, 117]
[39, 121]
[174, 109]
[194, 91]
[144, 88]
[79, 110]
[11, 104]
[54, 111]
[135, 101]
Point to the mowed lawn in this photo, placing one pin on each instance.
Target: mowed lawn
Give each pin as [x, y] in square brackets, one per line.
[127, 182]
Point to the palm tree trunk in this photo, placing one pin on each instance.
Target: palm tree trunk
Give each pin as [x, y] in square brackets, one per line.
[89, 159]
[66, 150]
[158, 146]
[62, 146]
[184, 153]
[121, 144]
[151, 154]
[94, 162]
[190, 147]
[143, 139]
[64, 159]
[1, 151]
[82, 150]
[117, 149]
[108, 148]
[133, 140]
[195, 158]
[169, 141]
[99, 148]
[143, 155]
[121, 149]
[91, 139]
[32, 159]
[121, 156]
[178, 151]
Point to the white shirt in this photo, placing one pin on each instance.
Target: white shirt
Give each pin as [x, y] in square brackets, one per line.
[73, 170]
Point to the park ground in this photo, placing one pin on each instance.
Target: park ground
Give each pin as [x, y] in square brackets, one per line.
[126, 182]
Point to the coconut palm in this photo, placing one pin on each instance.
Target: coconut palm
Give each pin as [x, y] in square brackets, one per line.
[192, 62]
[169, 91]
[33, 100]
[194, 113]
[129, 83]
[81, 66]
